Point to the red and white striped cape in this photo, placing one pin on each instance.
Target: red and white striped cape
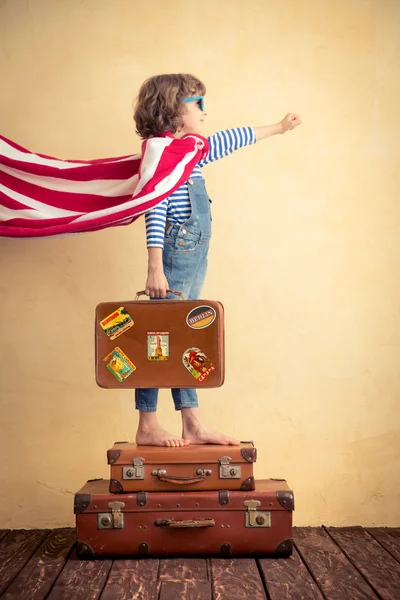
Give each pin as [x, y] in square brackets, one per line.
[44, 196]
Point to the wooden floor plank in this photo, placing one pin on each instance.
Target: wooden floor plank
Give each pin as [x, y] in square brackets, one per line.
[288, 578]
[3, 533]
[132, 580]
[388, 538]
[377, 566]
[179, 569]
[81, 579]
[337, 578]
[341, 560]
[15, 550]
[35, 580]
[236, 579]
[186, 590]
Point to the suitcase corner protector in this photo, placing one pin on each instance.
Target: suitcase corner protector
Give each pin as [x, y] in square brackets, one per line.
[112, 456]
[285, 499]
[249, 454]
[116, 487]
[248, 485]
[83, 550]
[284, 549]
[81, 502]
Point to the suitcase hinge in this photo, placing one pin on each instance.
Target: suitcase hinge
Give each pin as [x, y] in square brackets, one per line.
[228, 471]
[255, 518]
[113, 520]
[136, 471]
[204, 472]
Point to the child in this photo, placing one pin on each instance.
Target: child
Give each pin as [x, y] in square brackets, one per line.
[178, 230]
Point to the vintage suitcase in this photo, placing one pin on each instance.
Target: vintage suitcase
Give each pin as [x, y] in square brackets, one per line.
[253, 523]
[195, 467]
[160, 343]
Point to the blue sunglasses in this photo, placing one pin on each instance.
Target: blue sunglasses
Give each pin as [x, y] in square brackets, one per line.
[194, 99]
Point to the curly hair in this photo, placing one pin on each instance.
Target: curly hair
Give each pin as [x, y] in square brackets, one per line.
[158, 105]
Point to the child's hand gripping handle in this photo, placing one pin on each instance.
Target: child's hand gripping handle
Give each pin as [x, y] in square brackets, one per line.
[143, 293]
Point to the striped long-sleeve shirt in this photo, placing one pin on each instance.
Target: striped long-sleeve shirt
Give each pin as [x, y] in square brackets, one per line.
[176, 208]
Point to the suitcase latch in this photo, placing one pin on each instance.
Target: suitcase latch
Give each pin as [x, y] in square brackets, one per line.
[255, 518]
[228, 471]
[136, 471]
[113, 520]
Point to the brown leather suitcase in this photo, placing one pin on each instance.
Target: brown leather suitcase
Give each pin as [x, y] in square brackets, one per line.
[195, 467]
[253, 523]
[160, 344]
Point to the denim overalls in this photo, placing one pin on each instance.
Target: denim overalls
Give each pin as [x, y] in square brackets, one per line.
[185, 264]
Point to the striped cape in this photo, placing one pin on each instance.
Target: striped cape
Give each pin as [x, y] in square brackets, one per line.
[45, 196]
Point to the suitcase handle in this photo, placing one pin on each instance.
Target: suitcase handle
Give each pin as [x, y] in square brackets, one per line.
[143, 293]
[179, 480]
[171, 524]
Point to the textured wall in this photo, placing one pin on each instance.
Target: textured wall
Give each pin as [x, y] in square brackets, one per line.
[305, 254]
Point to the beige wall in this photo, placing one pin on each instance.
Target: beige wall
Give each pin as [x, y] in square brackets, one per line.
[305, 255]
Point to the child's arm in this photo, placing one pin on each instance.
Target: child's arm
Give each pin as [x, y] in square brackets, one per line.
[156, 284]
[225, 142]
[290, 121]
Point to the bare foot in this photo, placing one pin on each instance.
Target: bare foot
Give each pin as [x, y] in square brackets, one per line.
[149, 433]
[159, 437]
[194, 430]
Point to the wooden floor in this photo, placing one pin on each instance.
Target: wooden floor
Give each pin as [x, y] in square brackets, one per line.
[331, 563]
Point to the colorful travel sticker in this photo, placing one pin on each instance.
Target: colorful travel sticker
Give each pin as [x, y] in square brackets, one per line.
[197, 363]
[201, 317]
[116, 323]
[158, 345]
[119, 364]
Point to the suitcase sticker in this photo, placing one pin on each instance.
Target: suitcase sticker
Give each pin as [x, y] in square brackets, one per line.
[119, 364]
[197, 363]
[201, 317]
[158, 345]
[117, 323]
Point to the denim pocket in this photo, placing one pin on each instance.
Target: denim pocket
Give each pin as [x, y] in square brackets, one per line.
[186, 242]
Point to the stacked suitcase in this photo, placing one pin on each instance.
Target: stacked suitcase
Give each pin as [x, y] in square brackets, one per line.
[197, 500]
[190, 501]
